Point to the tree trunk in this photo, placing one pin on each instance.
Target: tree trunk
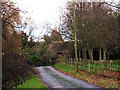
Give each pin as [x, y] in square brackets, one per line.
[90, 52]
[100, 55]
[84, 54]
[75, 37]
[108, 57]
[108, 54]
[104, 54]
[80, 55]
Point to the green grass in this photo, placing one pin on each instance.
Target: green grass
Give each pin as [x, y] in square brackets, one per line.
[34, 82]
[92, 78]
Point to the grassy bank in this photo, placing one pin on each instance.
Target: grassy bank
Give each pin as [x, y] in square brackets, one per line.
[34, 82]
[105, 82]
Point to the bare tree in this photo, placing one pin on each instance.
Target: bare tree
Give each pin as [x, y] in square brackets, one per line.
[96, 25]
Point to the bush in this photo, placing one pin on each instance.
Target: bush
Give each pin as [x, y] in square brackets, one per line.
[43, 51]
[14, 68]
[34, 60]
[39, 55]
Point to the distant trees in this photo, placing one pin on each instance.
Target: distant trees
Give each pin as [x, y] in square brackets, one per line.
[53, 40]
[42, 50]
[96, 26]
[26, 40]
[55, 36]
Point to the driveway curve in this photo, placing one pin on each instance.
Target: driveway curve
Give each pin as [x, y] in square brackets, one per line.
[55, 79]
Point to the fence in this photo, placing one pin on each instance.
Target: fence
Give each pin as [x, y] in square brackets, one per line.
[104, 68]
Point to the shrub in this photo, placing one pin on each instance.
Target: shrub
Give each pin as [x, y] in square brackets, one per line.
[43, 50]
[34, 60]
[14, 67]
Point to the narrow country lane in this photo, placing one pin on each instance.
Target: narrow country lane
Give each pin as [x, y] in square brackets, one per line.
[55, 79]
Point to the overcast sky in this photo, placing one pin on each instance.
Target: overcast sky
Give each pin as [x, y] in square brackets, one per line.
[42, 11]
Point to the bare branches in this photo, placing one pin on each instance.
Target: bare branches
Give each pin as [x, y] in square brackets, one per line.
[96, 24]
[118, 7]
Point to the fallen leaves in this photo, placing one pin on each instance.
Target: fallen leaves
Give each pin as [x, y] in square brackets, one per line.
[105, 82]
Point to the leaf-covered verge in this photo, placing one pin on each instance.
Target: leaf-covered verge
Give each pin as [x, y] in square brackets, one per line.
[104, 82]
[33, 82]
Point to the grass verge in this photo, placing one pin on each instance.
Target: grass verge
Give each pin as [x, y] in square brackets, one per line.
[34, 82]
[105, 82]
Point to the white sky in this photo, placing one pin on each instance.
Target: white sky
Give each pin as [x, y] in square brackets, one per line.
[42, 11]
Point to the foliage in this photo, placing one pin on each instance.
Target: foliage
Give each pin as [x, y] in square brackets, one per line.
[115, 55]
[57, 46]
[34, 60]
[14, 67]
[43, 51]
[31, 57]
[13, 63]
[34, 82]
[55, 36]
[10, 20]
[96, 26]
[38, 55]
[63, 48]
[47, 39]
[25, 40]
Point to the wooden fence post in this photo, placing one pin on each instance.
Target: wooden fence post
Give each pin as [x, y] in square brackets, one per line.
[80, 64]
[89, 65]
[101, 66]
[72, 61]
[83, 64]
[62, 60]
[95, 67]
[108, 67]
[111, 67]
[118, 72]
[66, 61]
[69, 61]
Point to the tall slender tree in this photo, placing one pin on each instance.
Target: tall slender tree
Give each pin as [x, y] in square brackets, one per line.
[75, 36]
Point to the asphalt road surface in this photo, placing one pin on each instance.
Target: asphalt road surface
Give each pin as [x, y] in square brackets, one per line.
[55, 79]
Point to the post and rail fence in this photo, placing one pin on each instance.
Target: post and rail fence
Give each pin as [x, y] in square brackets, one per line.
[107, 68]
